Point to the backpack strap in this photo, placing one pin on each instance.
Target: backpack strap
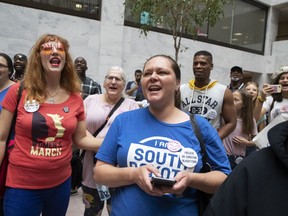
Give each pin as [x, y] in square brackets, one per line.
[12, 127]
[206, 166]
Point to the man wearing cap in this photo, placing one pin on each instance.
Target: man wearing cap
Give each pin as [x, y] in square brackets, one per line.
[19, 64]
[236, 76]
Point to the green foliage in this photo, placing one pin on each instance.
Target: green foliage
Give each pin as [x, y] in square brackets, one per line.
[179, 16]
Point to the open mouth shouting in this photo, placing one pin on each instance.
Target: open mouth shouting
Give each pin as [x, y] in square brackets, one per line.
[285, 87]
[154, 88]
[55, 62]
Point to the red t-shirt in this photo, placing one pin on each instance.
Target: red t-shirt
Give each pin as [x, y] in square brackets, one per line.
[43, 141]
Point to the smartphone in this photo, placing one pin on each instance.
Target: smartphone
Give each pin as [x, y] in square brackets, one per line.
[159, 181]
[276, 88]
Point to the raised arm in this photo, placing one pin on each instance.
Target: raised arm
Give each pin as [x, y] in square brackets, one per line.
[259, 111]
[131, 90]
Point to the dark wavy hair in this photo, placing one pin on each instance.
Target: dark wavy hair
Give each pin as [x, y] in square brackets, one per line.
[277, 96]
[9, 63]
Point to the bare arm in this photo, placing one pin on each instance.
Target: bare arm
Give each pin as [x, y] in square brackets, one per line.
[229, 115]
[238, 140]
[259, 111]
[115, 177]
[112, 176]
[207, 182]
[84, 140]
[5, 124]
[267, 90]
[131, 90]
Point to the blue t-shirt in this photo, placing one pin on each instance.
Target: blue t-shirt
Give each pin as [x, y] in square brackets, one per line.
[2, 96]
[137, 138]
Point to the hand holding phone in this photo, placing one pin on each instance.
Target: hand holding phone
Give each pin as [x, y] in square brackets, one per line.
[276, 88]
[159, 181]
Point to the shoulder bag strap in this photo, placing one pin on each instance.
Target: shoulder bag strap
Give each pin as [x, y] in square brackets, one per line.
[107, 118]
[109, 115]
[12, 127]
[206, 166]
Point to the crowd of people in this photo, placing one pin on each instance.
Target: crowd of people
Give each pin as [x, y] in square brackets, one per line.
[62, 114]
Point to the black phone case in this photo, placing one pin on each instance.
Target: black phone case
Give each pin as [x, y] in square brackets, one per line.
[157, 181]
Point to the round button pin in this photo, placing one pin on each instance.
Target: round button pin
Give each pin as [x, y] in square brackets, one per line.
[212, 114]
[174, 146]
[188, 157]
[31, 106]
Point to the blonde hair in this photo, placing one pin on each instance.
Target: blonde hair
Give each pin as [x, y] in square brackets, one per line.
[34, 78]
[257, 86]
[252, 83]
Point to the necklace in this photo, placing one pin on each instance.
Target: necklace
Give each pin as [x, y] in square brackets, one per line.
[51, 99]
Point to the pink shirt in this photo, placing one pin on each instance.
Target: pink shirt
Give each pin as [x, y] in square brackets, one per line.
[235, 149]
[96, 112]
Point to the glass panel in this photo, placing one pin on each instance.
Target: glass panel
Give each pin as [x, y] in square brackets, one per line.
[243, 25]
[249, 26]
[89, 7]
[222, 30]
[129, 16]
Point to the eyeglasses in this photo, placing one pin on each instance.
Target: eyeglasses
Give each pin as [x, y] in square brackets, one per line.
[111, 78]
[50, 47]
[2, 67]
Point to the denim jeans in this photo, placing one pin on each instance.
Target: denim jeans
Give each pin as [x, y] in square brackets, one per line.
[49, 202]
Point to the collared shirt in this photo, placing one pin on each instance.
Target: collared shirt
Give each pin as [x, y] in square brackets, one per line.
[89, 87]
[16, 79]
[236, 88]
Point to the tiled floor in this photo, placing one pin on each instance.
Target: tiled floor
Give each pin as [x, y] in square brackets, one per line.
[76, 206]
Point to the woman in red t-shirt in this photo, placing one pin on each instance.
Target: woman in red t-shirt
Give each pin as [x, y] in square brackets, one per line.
[49, 116]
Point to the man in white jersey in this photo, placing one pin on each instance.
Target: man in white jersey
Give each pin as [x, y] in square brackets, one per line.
[207, 97]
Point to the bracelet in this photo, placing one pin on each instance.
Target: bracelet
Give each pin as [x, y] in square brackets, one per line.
[261, 99]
